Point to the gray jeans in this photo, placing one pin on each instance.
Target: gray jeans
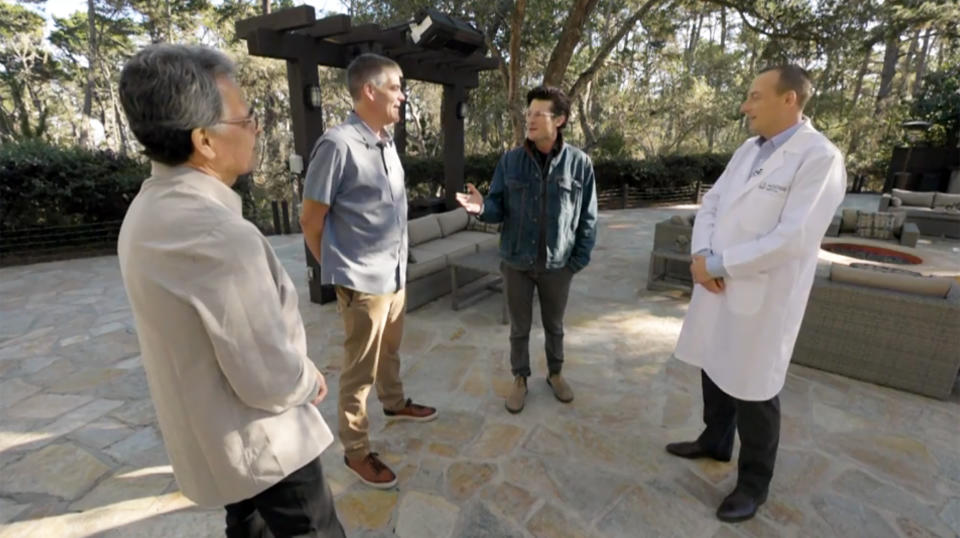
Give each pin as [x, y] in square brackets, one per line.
[553, 288]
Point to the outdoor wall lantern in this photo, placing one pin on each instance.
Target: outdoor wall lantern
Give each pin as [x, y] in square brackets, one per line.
[313, 96]
[462, 110]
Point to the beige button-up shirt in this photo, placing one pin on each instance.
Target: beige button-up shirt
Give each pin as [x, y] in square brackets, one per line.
[221, 338]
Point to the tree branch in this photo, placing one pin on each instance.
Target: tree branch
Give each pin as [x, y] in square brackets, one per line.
[608, 47]
[567, 42]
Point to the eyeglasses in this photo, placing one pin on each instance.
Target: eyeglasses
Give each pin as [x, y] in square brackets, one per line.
[243, 122]
[537, 114]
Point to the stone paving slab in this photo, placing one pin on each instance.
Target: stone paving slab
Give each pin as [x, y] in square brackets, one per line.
[80, 454]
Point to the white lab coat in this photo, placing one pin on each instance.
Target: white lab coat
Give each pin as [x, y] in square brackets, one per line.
[768, 227]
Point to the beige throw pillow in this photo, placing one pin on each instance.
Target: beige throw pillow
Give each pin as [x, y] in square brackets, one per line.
[875, 225]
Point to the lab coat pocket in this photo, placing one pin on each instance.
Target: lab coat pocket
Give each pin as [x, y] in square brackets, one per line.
[762, 209]
[745, 295]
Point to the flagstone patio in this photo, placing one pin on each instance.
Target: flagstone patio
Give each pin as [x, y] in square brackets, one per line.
[80, 453]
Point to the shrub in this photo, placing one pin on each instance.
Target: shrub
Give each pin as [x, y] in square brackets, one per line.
[425, 176]
[43, 185]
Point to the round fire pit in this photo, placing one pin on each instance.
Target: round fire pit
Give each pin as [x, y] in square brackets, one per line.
[872, 254]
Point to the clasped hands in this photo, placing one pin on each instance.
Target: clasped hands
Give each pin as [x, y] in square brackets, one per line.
[698, 269]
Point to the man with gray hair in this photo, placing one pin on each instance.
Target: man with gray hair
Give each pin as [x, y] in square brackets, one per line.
[221, 337]
[355, 224]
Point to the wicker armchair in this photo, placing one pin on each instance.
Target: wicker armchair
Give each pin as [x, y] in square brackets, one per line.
[901, 340]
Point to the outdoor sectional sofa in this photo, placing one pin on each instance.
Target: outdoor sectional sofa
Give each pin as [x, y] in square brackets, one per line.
[935, 213]
[435, 239]
[890, 329]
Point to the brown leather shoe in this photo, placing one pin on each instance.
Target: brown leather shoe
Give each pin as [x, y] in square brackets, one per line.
[371, 471]
[517, 395]
[561, 389]
[412, 411]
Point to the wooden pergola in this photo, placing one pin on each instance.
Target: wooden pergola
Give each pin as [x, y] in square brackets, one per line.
[433, 48]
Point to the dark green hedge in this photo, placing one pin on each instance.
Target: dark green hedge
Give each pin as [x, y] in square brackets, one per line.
[42, 185]
[671, 171]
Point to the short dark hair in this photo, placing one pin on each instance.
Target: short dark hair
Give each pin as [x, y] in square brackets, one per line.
[167, 91]
[559, 102]
[368, 68]
[795, 78]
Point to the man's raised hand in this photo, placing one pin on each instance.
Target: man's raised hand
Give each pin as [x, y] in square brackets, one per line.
[472, 201]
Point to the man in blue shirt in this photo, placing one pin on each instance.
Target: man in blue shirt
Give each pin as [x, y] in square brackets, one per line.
[355, 223]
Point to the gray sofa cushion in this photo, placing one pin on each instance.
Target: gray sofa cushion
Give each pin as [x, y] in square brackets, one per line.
[473, 237]
[946, 201]
[475, 225]
[914, 199]
[940, 213]
[423, 229]
[451, 247]
[428, 262]
[452, 222]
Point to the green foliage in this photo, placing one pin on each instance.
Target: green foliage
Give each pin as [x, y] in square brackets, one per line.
[26, 69]
[425, 176]
[660, 172]
[43, 185]
[939, 103]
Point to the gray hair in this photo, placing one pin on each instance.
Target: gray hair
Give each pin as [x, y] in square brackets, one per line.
[169, 90]
[368, 68]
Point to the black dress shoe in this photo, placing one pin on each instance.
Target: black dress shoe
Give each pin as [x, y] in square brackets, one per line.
[692, 450]
[739, 506]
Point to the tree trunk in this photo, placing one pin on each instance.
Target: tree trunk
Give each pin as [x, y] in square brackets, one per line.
[91, 62]
[169, 21]
[695, 26]
[513, 82]
[589, 139]
[822, 84]
[907, 62]
[861, 74]
[567, 42]
[265, 6]
[723, 29]
[890, 57]
[921, 64]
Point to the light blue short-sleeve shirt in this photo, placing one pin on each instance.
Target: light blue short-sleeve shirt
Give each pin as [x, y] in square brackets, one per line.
[359, 175]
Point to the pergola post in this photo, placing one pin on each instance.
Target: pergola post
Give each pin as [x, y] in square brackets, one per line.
[307, 120]
[400, 129]
[452, 112]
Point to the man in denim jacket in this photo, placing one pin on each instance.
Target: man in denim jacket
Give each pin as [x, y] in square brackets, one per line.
[545, 195]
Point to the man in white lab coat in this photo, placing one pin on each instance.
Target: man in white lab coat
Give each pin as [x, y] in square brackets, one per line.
[755, 244]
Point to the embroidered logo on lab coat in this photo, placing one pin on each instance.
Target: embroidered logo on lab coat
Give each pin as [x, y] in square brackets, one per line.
[772, 187]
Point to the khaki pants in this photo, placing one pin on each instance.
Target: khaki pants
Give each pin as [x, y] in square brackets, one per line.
[374, 329]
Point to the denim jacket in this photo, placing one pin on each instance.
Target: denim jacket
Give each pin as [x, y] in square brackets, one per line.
[571, 208]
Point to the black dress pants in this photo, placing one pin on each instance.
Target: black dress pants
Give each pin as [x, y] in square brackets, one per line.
[759, 428]
[300, 505]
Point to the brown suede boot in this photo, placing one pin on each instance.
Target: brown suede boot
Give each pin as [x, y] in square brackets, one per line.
[517, 395]
[561, 389]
